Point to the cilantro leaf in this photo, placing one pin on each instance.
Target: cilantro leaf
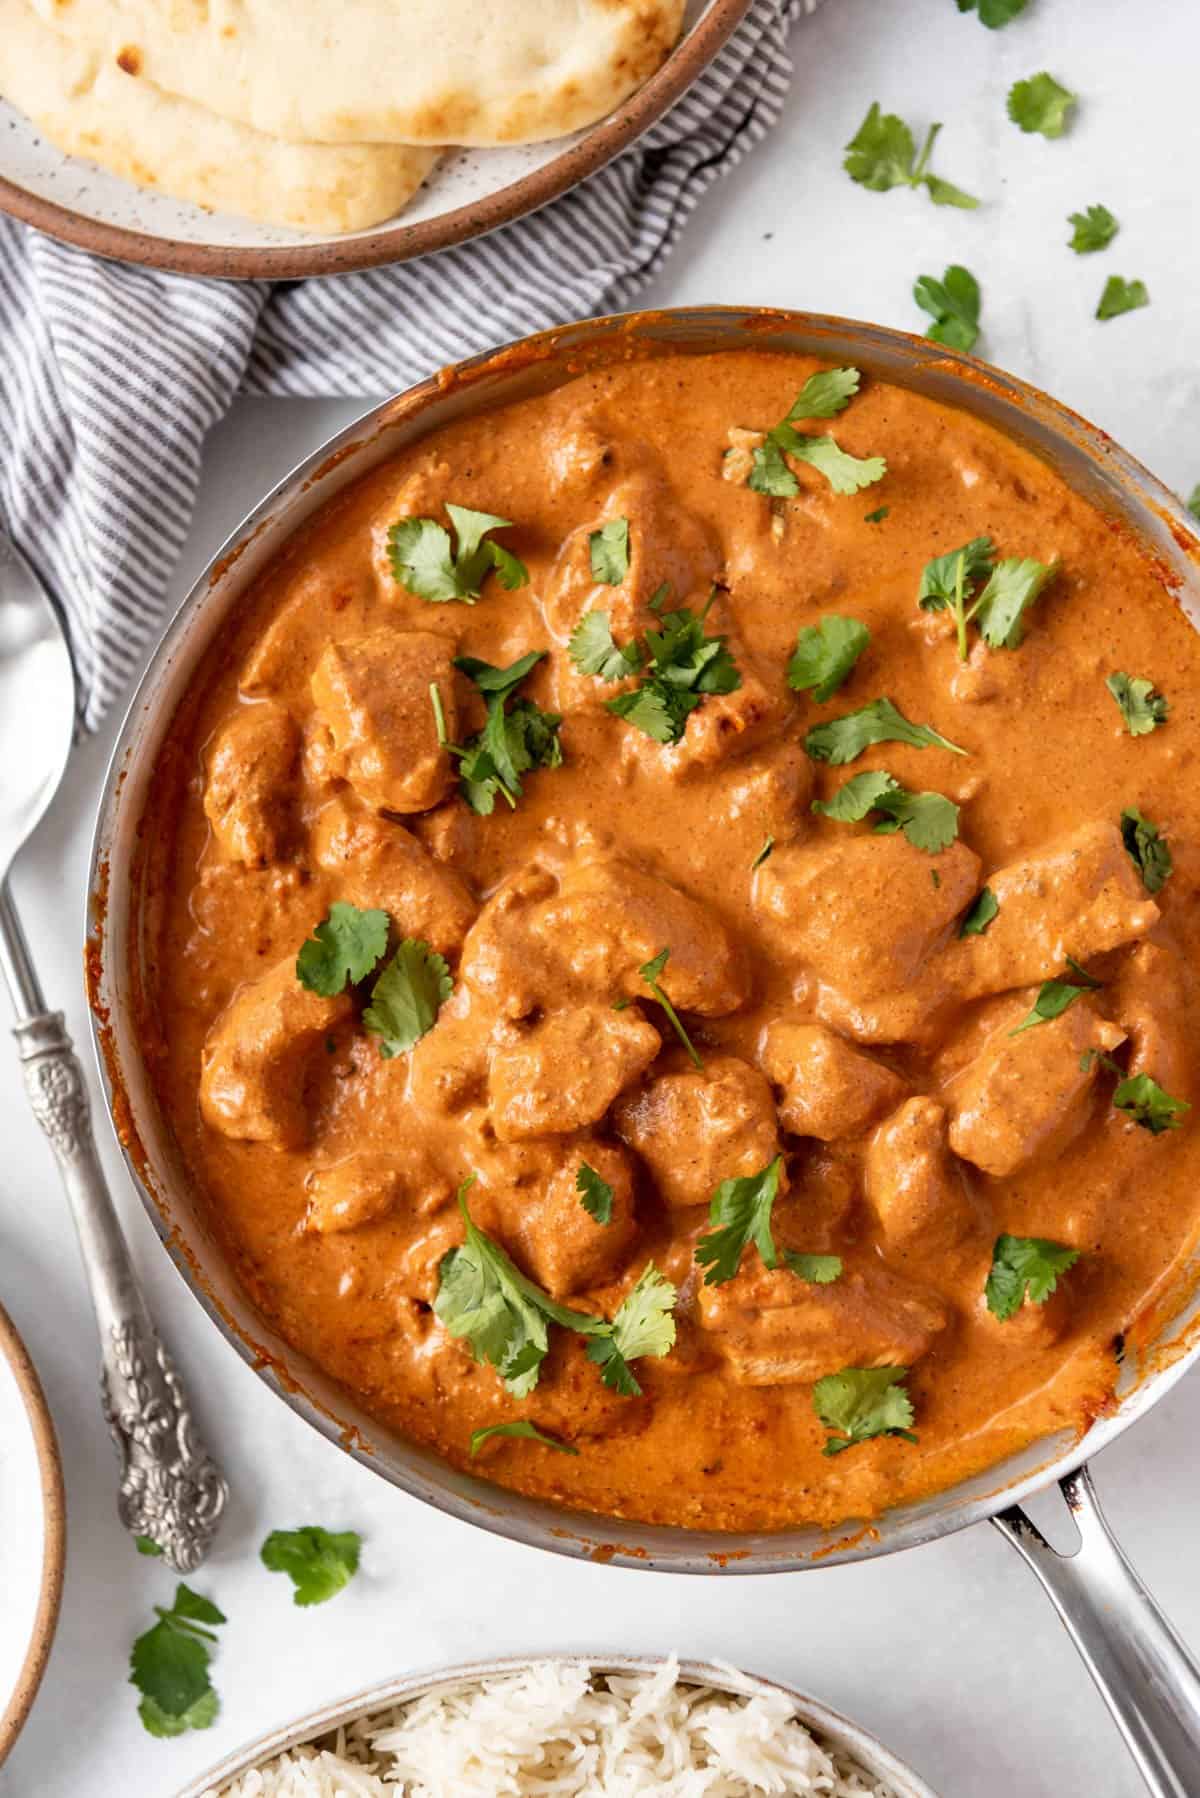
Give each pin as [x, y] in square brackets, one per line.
[1147, 848]
[656, 711]
[684, 664]
[1144, 1100]
[769, 472]
[995, 13]
[953, 304]
[1024, 1268]
[644, 1325]
[345, 947]
[929, 820]
[764, 852]
[825, 654]
[740, 1214]
[939, 578]
[650, 972]
[877, 516]
[422, 560]
[593, 650]
[407, 997]
[485, 1301]
[318, 1562]
[1141, 707]
[845, 739]
[1011, 589]
[608, 549]
[490, 679]
[1193, 502]
[845, 473]
[1094, 230]
[516, 737]
[861, 1402]
[596, 1195]
[168, 1665]
[882, 155]
[1120, 296]
[1040, 103]
[519, 1427]
[985, 908]
[146, 1545]
[817, 1270]
[1053, 998]
[825, 394]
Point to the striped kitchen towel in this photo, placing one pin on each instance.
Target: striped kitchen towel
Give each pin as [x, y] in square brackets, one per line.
[110, 375]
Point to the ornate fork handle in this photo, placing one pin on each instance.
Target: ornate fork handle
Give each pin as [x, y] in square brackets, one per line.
[171, 1490]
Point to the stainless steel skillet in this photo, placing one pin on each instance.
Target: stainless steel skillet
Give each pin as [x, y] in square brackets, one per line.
[1144, 1671]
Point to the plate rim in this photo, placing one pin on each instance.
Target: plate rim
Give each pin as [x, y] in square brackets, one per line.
[54, 1511]
[397, 242]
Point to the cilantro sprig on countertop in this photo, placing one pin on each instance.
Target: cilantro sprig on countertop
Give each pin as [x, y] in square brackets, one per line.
[995, 13]
[169, 1666]
[342, 949]
[882, 154]
[825, 655]
[407, 997]
[929, 820]
[1042, 104]
[1093, 230]
[862, 1402]
[516, 738]
[844, 739]
[1147, 849]
[975, 588]
[424, 562]
[521, 1428]
[953, 303]
[319, 1562]
[740, 1214]
[1120, 296]
[823, 395]
[1056, 996]
[1024, 1269]
[1141, 707]
[683, 665]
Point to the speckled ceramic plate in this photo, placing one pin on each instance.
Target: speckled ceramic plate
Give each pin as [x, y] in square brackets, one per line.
[32, 1533]
[469, 192]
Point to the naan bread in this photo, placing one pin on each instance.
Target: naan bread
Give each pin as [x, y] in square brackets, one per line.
[88, 106]
[389, 71]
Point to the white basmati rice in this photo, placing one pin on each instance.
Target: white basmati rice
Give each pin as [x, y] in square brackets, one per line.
[556, 1730]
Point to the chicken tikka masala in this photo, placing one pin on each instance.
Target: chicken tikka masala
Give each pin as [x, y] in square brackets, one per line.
[672, 917]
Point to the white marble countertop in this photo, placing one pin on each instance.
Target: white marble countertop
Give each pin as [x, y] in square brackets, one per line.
[949, 1652]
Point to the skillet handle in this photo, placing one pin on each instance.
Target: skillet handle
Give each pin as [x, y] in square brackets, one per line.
[1146, 1674]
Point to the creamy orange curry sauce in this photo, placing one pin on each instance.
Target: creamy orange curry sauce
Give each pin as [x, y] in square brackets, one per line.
[817, 1120]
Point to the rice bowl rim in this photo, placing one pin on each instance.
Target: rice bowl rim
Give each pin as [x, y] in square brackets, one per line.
[831, 1727]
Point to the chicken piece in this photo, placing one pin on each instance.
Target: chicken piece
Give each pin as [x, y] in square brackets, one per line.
[563, 1072]
[914, 1187]
[571, 1401]
[860, 916]
[379, 863]
[346, 1194]
[1151, 1003]
[448, 1067]
[584, 930]
[317, 602]
[695, 1128]
[253, 1065]
[1025, 1096]
[829, 1089]
[770, 790]
[773, 1329]
[552, 1236]
[251, 782]
[1078, 896]
[372, 695]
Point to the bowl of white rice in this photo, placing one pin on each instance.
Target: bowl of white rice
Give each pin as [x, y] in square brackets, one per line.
[569, 1727]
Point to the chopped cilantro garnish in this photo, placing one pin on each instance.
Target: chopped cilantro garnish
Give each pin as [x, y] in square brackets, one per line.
[1141, 707]
[595, 1194]
[407, 997]
[953, 304]
[146, 1545]
[861, 1402]
[516, 738]
[593, 650]
[1094, 230]
[1147, 848]
[422, 560]
[1143, 1099]
[344, 947]
[318, 1562]
[984, 909]
[950, 582]
[490, 679]
[877, 516]
[845, 473]
[929, 820]
[995, 13]
[764, 852]
[1056, 996]
[844, 739]
[608, 549]
[740, 1214]
[683, 665]
[644, 1324]
[522, 1428]
[650, 972]
[824, 394]
[1040, 103]
[882, 154]
[940, 578]
[1024, 1268]
[825, 654]
[1120, 296]
[816, 1270]
[169, 1666]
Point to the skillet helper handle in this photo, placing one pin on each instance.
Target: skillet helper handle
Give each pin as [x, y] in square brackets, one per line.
[1146, 1674]
[171, 1491]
